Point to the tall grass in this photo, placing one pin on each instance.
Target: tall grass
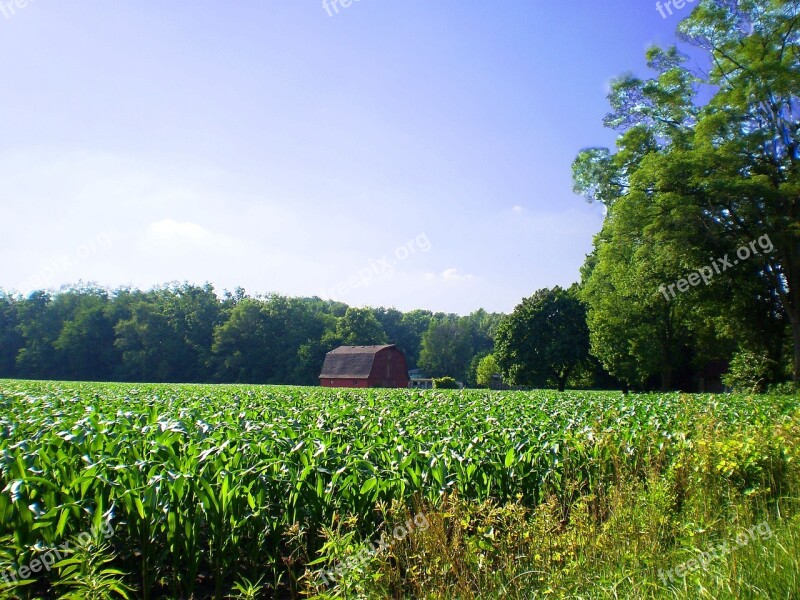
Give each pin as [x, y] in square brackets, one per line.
[619, 540]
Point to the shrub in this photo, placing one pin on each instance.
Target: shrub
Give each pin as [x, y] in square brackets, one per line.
[487, 369]
[445, 383]
[749, 372]
[784, 388]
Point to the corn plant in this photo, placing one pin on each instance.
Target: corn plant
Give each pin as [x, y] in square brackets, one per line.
[205, 485]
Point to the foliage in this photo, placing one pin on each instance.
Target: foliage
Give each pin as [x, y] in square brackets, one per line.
[692, 183]
[218, 484]
[248, 590]
[86, 576]
[185, 333]
[749, 372]
[450, 343]
[405, 330]
[544, 339]
[445, 383]
[784, 388]
[359, 327]
[621, 540]
[487, 369]
[446, 348]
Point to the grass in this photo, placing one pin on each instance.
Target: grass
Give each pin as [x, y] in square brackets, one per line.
[486, 551]
[619, 542]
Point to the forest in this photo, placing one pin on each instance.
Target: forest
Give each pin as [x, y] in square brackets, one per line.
[187, 333]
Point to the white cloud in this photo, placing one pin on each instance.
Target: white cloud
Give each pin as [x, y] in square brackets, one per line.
[182, 238]
[450, 275]
[454, 275]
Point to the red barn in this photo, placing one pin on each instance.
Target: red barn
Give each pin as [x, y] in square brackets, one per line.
[365, 366]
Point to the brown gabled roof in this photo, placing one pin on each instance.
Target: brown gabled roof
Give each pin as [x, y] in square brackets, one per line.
[350, 362]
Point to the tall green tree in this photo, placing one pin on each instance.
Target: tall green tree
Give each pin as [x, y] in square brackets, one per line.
[85, 345]
[544, 339]
[192, 313]
[414, 324]
[359, 327]
[703, 181]
[39, 326]
[447, 348]
[244, 344]
[11, 340]
[152, 349]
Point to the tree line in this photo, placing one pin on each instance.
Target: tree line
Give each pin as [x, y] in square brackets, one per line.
[187, 333]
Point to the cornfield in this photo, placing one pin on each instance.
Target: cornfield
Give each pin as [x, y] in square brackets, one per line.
[207, 485]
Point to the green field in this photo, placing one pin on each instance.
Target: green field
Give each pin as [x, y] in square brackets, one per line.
[192, 491]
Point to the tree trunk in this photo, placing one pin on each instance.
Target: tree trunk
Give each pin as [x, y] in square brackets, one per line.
[562, 378]
[791, 300]
[795, 321]
[666, 378]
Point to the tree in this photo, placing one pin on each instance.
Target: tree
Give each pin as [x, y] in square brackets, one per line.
[301, 326]
[634, 331]
[414, 324]
[487, 369]
[11, 341]
[243, 344]
[192, 313]
[447, 348]
[405, 330]
[708, 180]
[166, 334]
[85, 345]
[359, 327]
[543, 339]
[320, 338]
[39, 326]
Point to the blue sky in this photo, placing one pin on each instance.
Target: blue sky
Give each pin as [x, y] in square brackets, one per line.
[398, 153]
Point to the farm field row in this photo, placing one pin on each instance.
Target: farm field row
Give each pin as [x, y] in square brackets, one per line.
[203, 486]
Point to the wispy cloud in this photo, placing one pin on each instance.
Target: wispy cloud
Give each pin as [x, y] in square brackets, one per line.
[185, 237]
[451, 275]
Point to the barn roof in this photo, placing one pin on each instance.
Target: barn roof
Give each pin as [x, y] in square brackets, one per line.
[350, 362]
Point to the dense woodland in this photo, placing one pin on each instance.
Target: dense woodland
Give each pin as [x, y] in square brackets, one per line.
[187, 333]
